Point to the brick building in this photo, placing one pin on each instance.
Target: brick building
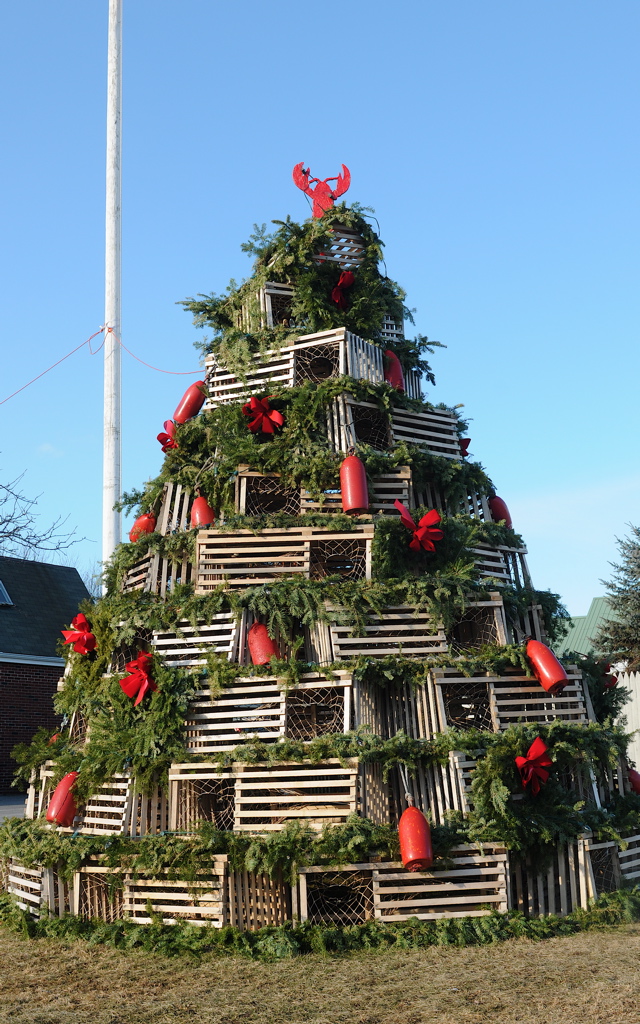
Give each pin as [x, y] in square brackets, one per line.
[37, 600]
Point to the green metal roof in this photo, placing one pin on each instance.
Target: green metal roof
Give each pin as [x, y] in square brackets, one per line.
[580, 636]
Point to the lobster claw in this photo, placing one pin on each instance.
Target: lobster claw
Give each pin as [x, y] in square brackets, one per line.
[343, 182]
[301, 177]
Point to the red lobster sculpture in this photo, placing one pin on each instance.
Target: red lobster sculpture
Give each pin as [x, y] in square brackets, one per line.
[323, 196]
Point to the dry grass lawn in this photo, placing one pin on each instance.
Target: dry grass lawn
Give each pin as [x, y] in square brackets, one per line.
[589, 978]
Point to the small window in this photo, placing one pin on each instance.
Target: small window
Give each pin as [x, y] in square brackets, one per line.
[4, 596]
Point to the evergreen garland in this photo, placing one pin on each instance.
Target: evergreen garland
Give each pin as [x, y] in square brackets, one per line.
[292, 255]
[283, 942]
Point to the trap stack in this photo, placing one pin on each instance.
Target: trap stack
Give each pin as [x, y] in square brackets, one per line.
[367, 653]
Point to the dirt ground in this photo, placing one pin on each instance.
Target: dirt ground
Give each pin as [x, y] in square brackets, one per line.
[589, 978]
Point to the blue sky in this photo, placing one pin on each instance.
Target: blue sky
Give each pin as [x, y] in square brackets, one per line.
[498, 144]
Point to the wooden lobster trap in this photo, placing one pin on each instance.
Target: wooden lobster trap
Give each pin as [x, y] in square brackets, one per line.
[481, 623]
[318, 794]
[252, 708]
[201, 901]
[241, 558]
[579, 872]
[260, 494]
[402, 630]
[313, 357]
[120, 807]
[25, 885]
[262, 798]
[629, 859]
[187, 647]
[350, 423]
[474, 886]
[519, 698]
[494, 702]
[436, 429]
[155, 573]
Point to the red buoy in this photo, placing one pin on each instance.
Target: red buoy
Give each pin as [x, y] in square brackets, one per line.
[634, 781]
[191, 403]
[261, 647]
[393, 372]
[62, 807]
[416, 850]
[353, 486]
[201, 513]
[499, 510]
[146, 523]
[546, 667]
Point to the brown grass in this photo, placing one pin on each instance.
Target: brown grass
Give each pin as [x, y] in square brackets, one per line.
[589, 978]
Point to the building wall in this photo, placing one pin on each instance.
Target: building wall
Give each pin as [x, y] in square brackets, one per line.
[631, 711]
[26, 703]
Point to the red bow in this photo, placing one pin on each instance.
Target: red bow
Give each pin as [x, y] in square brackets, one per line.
[424, 533]
[139, 681]
[532, 768]
[464, 446]
[80, 636]
[166, 439]
[337, 295]
[264, 417]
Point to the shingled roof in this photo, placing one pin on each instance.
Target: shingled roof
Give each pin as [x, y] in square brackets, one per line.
[44, 600]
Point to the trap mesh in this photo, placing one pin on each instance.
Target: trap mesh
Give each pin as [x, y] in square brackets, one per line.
[346, 558]
[341, 897]
[206, 800]
[466, 704]
[371, 427]
[317, 363]
[266, 494]
[313, 713]
[98, 899]
[475, 628]
[281, 309]
[604, 873]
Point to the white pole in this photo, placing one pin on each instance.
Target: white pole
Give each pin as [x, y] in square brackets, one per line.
[111, 469]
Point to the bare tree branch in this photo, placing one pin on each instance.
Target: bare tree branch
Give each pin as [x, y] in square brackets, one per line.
[20, 534]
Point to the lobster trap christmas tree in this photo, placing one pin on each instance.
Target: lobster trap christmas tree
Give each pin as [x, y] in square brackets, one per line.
[320, 686]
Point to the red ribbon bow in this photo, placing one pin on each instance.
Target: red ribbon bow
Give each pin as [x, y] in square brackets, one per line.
[425, 532]
[532, 768]
[264, 417]
[166, 439]
[80, 636]
[138, 682]
[337, 295]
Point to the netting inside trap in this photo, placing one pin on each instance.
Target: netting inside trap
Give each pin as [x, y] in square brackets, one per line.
[474, 629]
[99, 899]
[313, 713]
[206, 800]
[126, 652]
[266, 494]
[466, 704]
[343, 898]
[281, 309]
[371, 427]
[345, 558]
[604, 873]
[317, 363]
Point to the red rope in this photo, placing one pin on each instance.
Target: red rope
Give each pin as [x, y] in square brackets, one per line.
[87, 342]
[174, 373]
[109, 330]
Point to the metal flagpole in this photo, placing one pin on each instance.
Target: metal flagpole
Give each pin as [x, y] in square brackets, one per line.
[111, 470]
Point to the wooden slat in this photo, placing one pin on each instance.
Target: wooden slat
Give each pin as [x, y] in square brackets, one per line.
[400, 630]
[242, 558]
